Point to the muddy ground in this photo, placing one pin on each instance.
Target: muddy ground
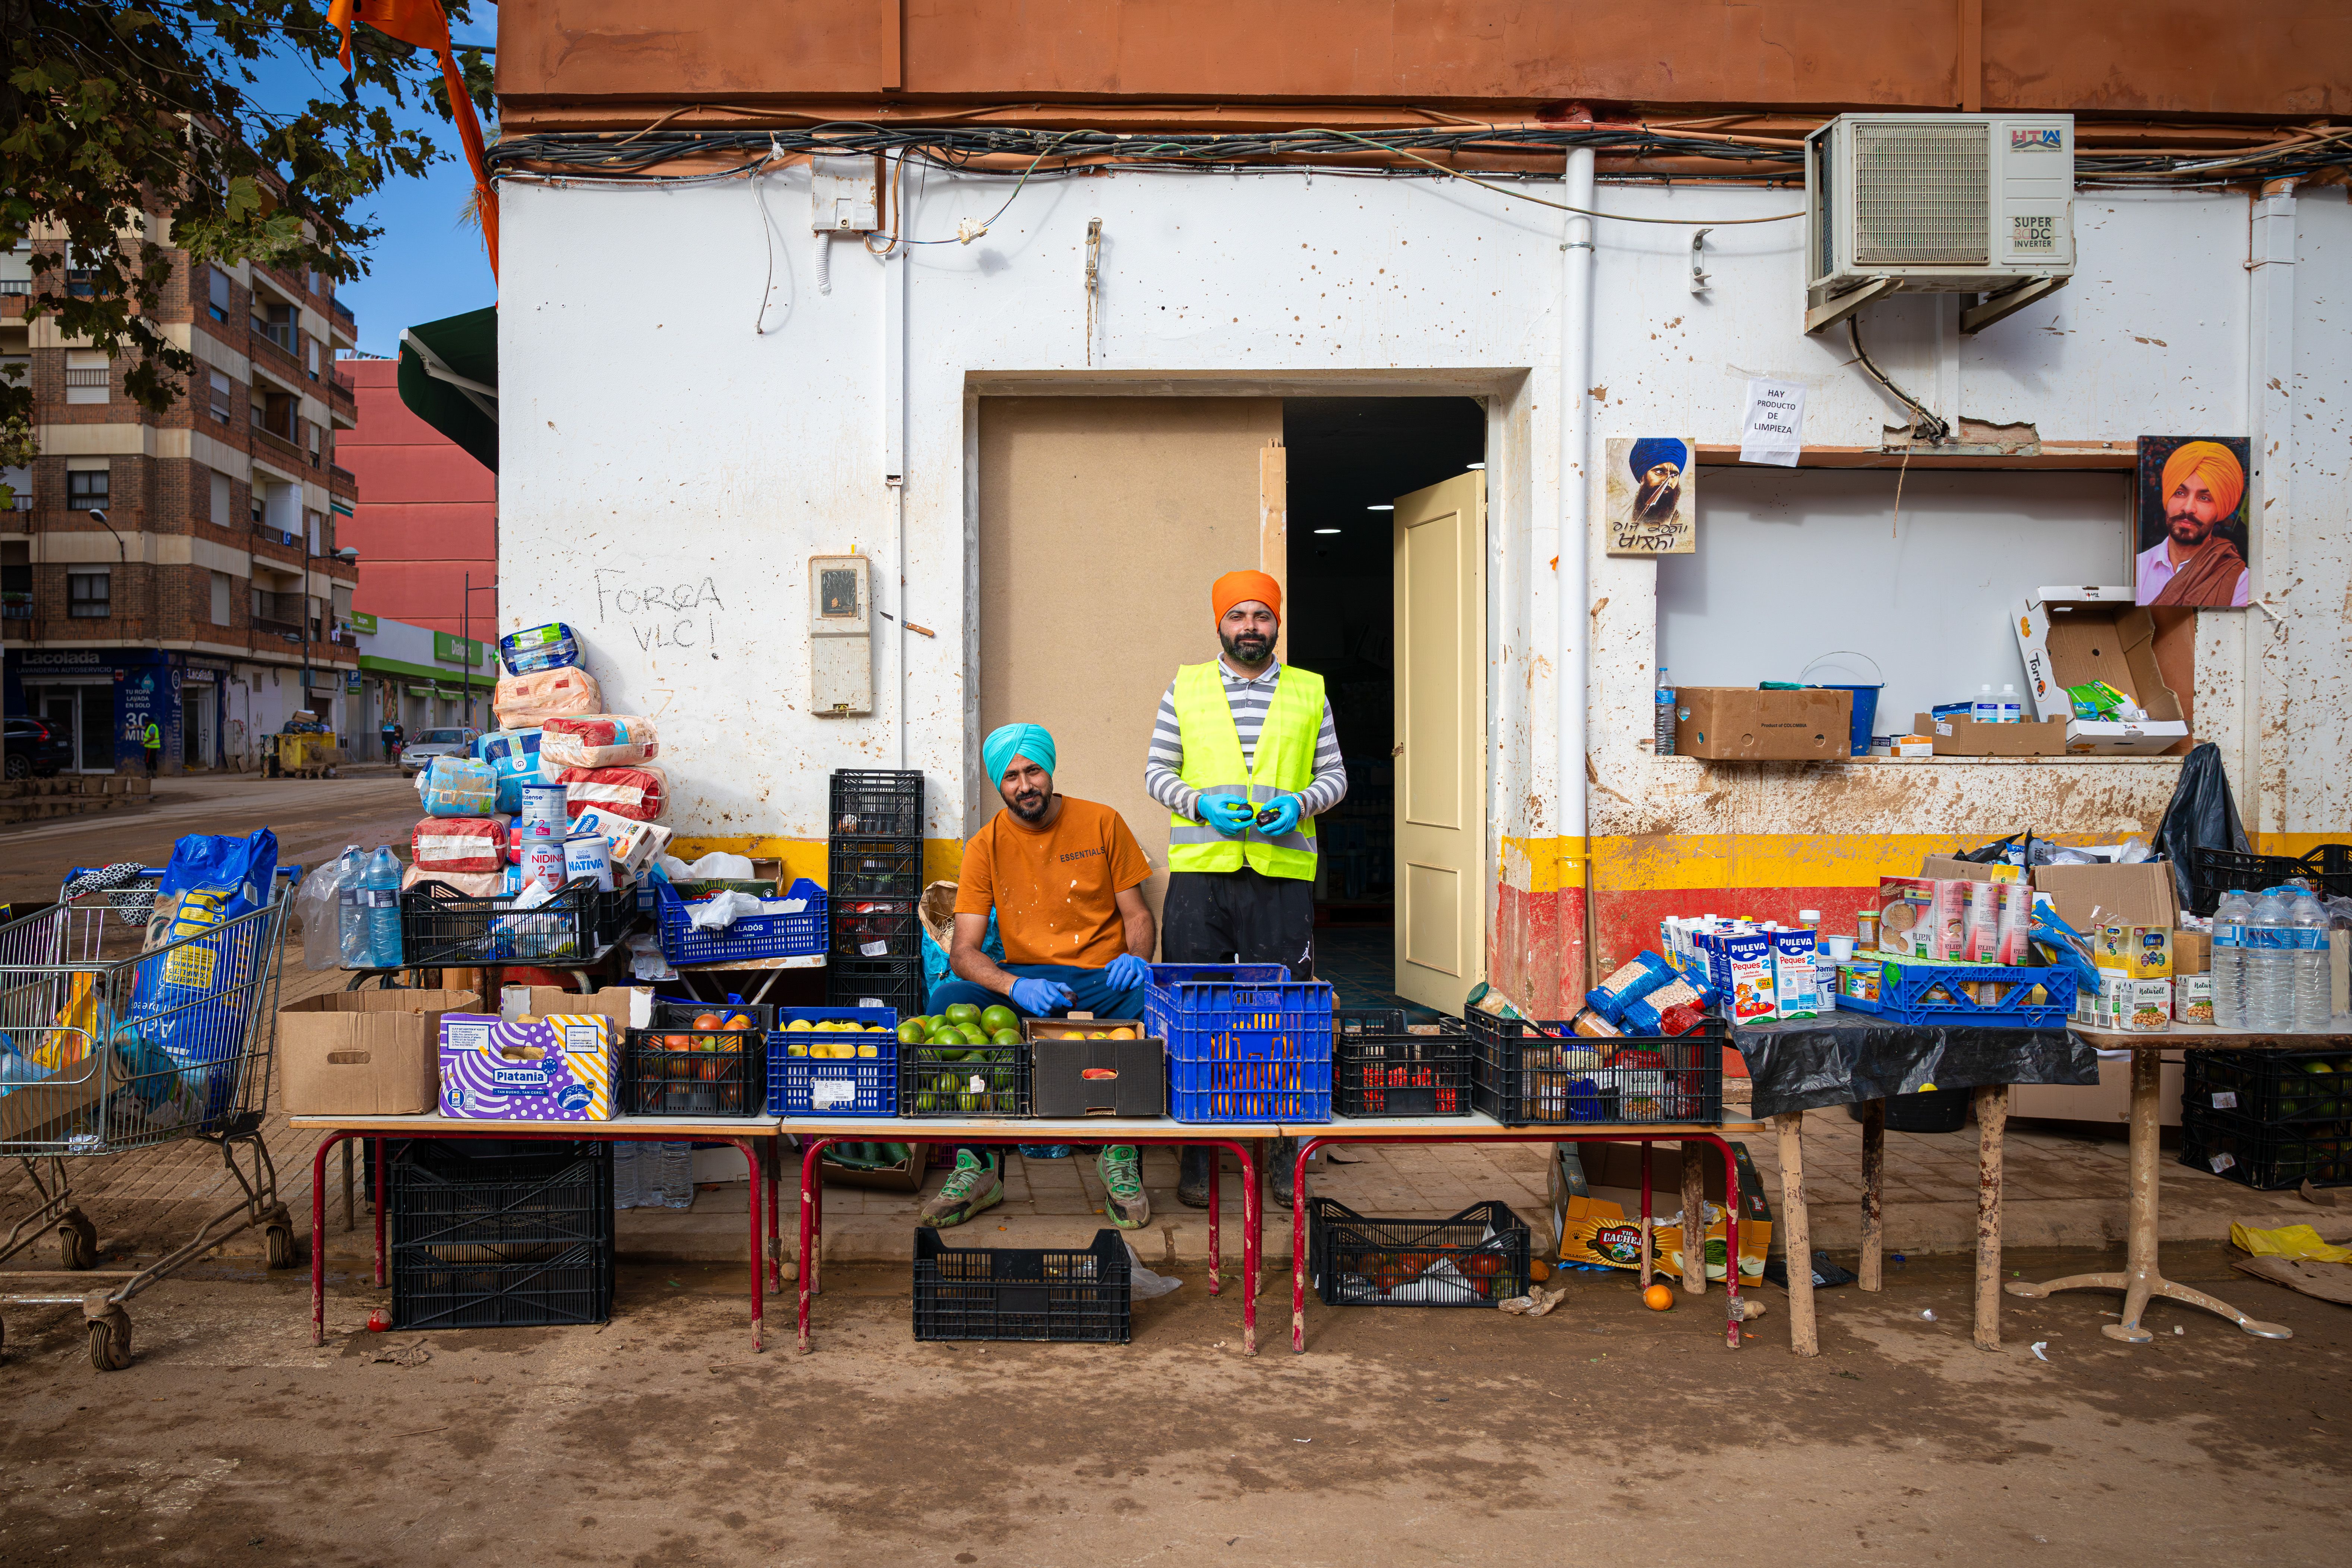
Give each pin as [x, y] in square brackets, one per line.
[1604, 1433]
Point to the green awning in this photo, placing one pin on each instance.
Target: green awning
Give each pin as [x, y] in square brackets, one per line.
[449, 379]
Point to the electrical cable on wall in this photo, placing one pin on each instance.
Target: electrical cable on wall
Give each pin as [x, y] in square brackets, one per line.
[1925, 425]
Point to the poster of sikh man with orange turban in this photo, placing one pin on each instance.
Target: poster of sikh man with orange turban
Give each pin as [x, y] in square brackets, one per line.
[2192, 521]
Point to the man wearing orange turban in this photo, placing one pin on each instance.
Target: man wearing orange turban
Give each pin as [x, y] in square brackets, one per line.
[2202, 486]
[1245, 755]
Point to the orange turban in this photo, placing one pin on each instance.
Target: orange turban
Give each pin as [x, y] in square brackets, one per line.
[2214, 464]
[1234, 587]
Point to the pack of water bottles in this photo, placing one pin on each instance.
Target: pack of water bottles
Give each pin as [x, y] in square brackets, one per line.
[367, 908]
[2272, 961]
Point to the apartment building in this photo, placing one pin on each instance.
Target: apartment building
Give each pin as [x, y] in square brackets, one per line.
[182, 568]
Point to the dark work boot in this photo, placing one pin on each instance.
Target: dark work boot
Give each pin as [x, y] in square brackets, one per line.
[1281, 1158]
[1192, 1183]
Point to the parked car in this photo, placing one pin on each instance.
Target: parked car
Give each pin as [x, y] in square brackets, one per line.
[426, 744]
[36, 749]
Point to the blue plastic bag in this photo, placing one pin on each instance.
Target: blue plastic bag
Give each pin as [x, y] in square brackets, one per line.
[549, 646]
[460, 786]
[185, 1002]
[935, 972]
[513, 756]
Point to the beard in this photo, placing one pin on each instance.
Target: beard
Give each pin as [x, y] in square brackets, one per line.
[1249, 647]
[1657, 504]
[1029, 805]
[2187, 531]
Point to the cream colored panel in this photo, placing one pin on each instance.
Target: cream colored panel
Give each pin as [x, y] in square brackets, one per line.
[97, 440]
[1431, 918]
[218, 455]
[1432, 688]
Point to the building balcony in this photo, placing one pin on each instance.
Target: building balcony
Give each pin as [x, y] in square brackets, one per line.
[341, 388]
[270, 441]
[275, 354]
[342, 479]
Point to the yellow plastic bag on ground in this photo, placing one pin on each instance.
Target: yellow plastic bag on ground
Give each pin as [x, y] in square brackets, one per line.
[2296, 1241]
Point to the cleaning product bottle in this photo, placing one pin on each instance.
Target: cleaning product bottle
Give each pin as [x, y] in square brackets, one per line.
[2012, 707]
[1985, 709]
[350, 914]
[381, 885]
[1665, 719]
[2229, 918]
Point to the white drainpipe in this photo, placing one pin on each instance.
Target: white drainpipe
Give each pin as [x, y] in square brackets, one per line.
[1574, 633]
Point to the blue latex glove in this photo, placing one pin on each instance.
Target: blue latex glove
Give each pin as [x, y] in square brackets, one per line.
[1228, 815]
[1041, 998]
[1126, 972]
[1279, 817]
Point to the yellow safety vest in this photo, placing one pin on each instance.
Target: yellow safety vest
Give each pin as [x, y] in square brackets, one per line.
[1284, 765]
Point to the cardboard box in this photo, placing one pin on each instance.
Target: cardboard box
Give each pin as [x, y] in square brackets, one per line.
[550, 1055]
[52, 1109]
[2072, 635]
[1952, 868]
[1740, 724]
[1966, 738]
[2089, 897]
[2193, 998]
[2108, 1102]
[1098, 1077]
[2143, 1007]
[2192, 952]
[2142, 952]
[364, 1052]
[906, 1177]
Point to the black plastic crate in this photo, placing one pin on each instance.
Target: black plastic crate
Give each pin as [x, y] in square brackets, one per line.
[2272, 1157]
[875, 805]
[517, 1236]
[2214, 872]
[874, 928]
[681, 1013]
[979, 1081]
[2271, 1086]
[874, 869]
[439, 925]
[1397, 1074]
[1527, 1074]
[1475, 1258]
[895, 983]
[1367, 1021]
[694, 1072]
[1024, 1293]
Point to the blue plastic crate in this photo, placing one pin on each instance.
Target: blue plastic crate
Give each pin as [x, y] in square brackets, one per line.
[1903, 995]
[755, 936]
[1245, 1042]
[873, 1080]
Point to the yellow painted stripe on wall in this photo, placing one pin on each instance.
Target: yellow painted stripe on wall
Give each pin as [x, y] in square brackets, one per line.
[943, 857]
[2296, 843]
[1542, 865]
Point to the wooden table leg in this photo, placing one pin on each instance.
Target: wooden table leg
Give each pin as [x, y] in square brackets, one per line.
[2140, 1279]
[1694, 1217]
[1873, 1269]
[1804, 1337]
[1992, 1118]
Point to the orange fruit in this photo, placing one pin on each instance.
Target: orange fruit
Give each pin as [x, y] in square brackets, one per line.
[705, 1021]
[1658, 1298]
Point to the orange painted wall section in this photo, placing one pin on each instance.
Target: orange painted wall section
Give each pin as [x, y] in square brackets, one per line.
[2170, 57]
[428, 516]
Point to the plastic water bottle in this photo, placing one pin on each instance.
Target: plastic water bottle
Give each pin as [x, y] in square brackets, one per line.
[2229, 918]
[628, 1192]
[1664, 746]
[381, 885]
[2308, 926]
[350, 914]
[2270, 1002]
[666, 1175]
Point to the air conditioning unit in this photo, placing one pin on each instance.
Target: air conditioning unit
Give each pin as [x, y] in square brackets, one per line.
[1941, 204]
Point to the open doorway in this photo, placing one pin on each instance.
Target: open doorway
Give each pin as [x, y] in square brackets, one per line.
[1349, 460]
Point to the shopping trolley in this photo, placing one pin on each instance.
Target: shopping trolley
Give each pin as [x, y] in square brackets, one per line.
[111, 1046]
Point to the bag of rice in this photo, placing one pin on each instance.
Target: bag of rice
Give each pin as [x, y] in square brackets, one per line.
[477, 844]
[525, 702]
[596, 741]
[641, 794]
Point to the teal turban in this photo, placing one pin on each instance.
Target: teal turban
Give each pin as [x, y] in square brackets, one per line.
[1030, 741]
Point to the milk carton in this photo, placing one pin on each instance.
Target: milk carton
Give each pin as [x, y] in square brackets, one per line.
[1797, 985]
[1751, 990]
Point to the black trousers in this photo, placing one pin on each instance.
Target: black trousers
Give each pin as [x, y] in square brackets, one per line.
[1239, 917]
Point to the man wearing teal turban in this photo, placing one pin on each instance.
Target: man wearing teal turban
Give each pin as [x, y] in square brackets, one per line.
[1064, 878]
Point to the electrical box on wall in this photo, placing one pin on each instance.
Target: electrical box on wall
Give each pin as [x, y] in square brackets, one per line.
[847, 192]
[841, 635]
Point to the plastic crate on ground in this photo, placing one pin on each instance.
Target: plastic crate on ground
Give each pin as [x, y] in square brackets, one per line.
[2271, 1087]
[792, 935]
[980, 1080]
[2269, 1158]
[440, 926]
[1473, 1259]
[875, 868]
[1066, 1297]
[516, 1239]
[1245, 1042]
[1918, 994]
[802, 1085]
[2214, 872]
[893, 983]
[1397, 1074]
[1526, 1073]
[875, 803]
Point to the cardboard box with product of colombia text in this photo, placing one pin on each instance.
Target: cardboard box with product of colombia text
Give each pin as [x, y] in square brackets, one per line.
[549, 1056]
[364, 1052]
[1741, 724]
[2072, 635]
[1073, 1075]
[1966, 738]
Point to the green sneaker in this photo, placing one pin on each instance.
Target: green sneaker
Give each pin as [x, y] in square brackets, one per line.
[1122, 1179]
[970, 1187]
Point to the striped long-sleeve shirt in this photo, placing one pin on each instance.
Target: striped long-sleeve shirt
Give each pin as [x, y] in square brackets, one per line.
[1249, 700]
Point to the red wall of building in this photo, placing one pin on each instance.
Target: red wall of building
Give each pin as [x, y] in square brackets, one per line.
[427, 514]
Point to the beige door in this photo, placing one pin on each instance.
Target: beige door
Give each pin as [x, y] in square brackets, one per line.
[1441, 704]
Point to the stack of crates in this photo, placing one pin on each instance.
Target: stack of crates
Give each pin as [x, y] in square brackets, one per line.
[499, 1235]
[873, 954]
[2269, 1119]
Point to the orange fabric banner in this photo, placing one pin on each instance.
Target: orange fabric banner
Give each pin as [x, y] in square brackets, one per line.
[424, 23]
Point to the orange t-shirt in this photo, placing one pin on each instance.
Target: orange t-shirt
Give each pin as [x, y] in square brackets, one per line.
[1053, 889]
